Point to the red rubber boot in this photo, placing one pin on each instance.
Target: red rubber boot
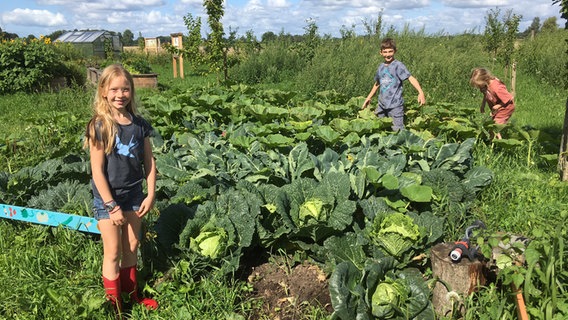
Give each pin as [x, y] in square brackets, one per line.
[112, 290]
[130, 286]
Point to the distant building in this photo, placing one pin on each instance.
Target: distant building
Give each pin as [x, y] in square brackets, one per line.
[92, 42]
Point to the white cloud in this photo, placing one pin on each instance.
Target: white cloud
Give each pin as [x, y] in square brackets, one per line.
[478, 3]
[60, 2]
[278, 3]
[40, 18]
[162, 17]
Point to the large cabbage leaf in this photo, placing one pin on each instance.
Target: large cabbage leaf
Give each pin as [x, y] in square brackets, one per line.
[69, 196]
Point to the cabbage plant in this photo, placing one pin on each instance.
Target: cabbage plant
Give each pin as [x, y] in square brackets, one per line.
[221, 230]
[315, 210]
[396, 233]
[379, 291]
[210, 242]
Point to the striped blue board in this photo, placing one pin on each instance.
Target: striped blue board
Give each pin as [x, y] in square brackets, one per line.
[49, 218]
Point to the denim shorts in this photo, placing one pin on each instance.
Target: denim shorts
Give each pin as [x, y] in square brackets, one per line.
[130, 201]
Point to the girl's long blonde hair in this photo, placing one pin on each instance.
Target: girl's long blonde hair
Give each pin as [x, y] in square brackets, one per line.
[103, 120]
[480, 77]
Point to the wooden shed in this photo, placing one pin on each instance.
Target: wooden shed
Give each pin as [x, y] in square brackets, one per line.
[92, 42]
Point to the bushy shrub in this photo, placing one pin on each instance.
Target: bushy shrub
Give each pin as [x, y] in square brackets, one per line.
[135, 63]
[28, 65]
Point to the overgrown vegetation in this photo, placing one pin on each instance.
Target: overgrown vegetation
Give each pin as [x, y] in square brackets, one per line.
[30, 65]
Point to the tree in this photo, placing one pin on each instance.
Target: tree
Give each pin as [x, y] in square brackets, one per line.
[511, 23]
[56, 34]
[192, 45]
[268, 37]
[500, 35]
[249, 44]
[563, 10]
[128, 38]
[534, 28]
[310, 41]
[493, 33]
[216, 53]
[563, 156]
[374, 27]
[7, 36]
[549, 25]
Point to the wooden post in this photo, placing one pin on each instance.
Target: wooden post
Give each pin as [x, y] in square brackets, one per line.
[177, 43]
[563, 156]
[462, 278]
[174, 63]
[514, 79]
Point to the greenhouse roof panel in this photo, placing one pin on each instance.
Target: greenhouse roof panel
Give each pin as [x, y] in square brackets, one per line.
[81, 36]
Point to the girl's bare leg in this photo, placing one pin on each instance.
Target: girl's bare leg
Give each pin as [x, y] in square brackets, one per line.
[130, 239]
[112, 247]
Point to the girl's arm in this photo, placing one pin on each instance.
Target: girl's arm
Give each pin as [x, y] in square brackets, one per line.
[151, 173]
[370, 95]
[97, 156]
[416, 85]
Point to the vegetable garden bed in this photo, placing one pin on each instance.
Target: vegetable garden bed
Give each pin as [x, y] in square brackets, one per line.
[147, 80]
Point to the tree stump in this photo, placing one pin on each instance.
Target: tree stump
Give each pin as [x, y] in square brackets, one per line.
[463, 278]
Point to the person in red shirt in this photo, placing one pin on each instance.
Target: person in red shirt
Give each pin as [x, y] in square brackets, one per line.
[495, 94]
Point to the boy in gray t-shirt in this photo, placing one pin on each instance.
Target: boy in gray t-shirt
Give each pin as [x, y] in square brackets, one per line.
[389, 79]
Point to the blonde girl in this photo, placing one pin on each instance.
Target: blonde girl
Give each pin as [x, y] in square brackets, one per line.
[495, 94]
[117, 138]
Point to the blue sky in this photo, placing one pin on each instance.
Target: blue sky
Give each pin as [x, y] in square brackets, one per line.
[151, 18]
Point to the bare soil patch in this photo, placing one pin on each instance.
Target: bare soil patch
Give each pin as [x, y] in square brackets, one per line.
[287, 292]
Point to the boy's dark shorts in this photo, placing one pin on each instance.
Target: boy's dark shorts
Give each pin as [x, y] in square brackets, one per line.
[130, 201]
[396, 114]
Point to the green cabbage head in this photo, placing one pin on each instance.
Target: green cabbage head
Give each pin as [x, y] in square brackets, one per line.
[387, 298]
[210, 243]
[396, 233]
[311, 209]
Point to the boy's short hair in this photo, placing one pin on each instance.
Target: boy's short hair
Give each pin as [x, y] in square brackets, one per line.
[388, 43]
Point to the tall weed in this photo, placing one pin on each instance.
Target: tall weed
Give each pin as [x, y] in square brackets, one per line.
[544, 58]
[276, 62]
[346, 66]
[442, 65]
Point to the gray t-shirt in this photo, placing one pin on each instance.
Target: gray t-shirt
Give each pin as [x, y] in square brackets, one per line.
[124, 167]
[390, 78]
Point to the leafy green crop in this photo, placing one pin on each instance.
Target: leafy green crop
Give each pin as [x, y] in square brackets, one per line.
[220, 230]
[317, 210]
[210, 242]
[388, 297]
[379, 291]
[396, 233]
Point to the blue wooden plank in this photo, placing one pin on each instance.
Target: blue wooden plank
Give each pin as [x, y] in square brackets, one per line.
[49, 218]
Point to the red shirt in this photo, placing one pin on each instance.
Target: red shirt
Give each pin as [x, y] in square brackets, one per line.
[497, 93]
